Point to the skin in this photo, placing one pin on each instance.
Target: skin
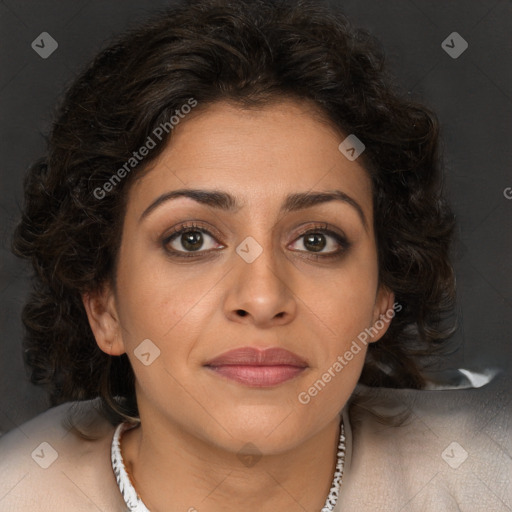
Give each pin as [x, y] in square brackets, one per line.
[194, 422]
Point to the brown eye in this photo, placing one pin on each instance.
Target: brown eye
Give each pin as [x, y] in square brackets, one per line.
[321, 243]
[190, 239]
[315, 241]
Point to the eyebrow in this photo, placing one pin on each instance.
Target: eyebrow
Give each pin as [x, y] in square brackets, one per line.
[225, 201]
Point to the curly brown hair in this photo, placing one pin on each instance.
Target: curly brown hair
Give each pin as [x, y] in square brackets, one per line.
[250, 53]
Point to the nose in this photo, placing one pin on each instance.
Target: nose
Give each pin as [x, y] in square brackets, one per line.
[260, 292]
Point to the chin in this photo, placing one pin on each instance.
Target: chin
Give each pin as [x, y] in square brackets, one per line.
[271, 430]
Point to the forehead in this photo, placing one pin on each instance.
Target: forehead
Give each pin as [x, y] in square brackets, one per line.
[259, 155]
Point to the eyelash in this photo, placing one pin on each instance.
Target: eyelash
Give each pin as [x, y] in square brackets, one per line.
[192, 226]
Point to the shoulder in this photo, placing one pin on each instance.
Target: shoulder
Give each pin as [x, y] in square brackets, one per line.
[454, 447]
[45, 465]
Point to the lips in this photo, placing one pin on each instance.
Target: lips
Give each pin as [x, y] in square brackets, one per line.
[258, 357]
[256, 367]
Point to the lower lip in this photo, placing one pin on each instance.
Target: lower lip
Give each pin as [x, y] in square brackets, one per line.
[258, 376]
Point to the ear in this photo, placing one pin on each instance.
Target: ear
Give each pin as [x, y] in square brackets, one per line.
[383, 313]
[101, 311]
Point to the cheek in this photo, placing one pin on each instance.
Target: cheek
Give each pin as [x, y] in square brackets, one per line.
[344, 299]
[169, 309]
[344, 313]
[345, 310]
[159, 304]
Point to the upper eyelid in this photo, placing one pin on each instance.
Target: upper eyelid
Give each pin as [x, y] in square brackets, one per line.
[184, 228]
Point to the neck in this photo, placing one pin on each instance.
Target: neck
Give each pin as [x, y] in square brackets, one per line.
[171, 468]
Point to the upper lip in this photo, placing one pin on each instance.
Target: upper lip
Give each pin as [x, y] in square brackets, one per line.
[252, 356]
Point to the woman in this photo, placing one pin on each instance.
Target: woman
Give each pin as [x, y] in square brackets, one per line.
[237, 222]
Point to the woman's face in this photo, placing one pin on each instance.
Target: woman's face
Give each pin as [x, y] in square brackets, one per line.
[243, 275]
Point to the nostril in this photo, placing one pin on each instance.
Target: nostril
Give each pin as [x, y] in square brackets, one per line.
[241, 312]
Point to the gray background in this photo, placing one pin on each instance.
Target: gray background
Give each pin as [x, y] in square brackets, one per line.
[471, 94]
